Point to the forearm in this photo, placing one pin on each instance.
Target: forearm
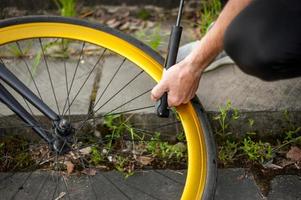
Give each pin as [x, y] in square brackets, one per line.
[212, 43]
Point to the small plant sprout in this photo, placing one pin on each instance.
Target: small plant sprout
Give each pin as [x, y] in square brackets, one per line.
[96, 156]
[209, 13]
[181, 136]
[257, 151]
[226, 115]
[67, 7]
[251, 122]
[228, 151]
[153, 37]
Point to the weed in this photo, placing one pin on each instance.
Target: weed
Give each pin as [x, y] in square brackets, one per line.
[143, 14]
[96, 156]
[210, 10]
[17, 52]
[116, 125]
[67, 7]
[288, 120]
[178, 151]
[164, 150]
[292, 131]
[181, 136]
[291, 134]
[124, 166]
[251, 122]
[63, 52]
[226, 115]
[228, 151]
[257, 151]
[153, 37]
[14, 152]
[229, 147]
[151, 146]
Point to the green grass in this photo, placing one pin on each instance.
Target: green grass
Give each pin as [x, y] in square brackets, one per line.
[67, 8]
[152, 38]
[249, 147]
[210, 10]
[144, 14]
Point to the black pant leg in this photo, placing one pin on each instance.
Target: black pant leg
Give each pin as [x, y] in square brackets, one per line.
[265, 39]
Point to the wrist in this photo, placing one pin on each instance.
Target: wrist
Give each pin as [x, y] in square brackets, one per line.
[194, 63]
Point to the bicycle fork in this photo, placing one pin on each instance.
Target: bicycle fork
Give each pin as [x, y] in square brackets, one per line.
[9, 100]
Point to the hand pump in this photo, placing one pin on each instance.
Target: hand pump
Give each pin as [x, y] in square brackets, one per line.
[173, 47]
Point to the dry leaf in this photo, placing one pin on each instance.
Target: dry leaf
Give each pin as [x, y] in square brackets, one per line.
[144, 160]
[69, 166]
[89, 171]
[61, 195]
[125, 26]
[294, 154]
[86, 14]
[113, 23]
[272, 166]
[97, 133]
[125, 14]
[102, 167]
[85, 151]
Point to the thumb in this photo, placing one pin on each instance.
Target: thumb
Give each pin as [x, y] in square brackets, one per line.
[158, 90]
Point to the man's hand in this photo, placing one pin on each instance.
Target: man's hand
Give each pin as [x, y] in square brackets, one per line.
[180, 82]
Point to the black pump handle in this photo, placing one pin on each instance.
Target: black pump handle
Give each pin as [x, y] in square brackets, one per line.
[173, 47]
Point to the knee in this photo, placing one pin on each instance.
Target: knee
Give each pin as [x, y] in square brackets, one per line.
[250, 55]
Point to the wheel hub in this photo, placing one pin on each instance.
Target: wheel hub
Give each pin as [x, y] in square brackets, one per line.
[63, 132]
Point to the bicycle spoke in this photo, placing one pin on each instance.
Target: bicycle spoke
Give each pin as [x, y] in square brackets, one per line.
[84, 166]
[58, 167]
[112, 78]
[85, 81]
[121, 89]
[29, 71]
[49, 76]
[131, 110]
[64, 181]
[75, 72]
[66, 82]
[129, 101]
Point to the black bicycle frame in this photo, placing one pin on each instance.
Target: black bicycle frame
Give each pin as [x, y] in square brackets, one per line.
[7, 98]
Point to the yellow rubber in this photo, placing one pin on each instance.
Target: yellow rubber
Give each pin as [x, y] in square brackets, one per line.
[196, 175]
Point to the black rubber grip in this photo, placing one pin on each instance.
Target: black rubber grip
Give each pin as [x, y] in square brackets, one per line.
[173, 47]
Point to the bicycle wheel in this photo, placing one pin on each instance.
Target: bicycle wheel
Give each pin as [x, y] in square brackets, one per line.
[92, 75]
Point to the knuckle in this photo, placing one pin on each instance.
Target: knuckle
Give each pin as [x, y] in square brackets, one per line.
[171, 101]
[175, 101]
